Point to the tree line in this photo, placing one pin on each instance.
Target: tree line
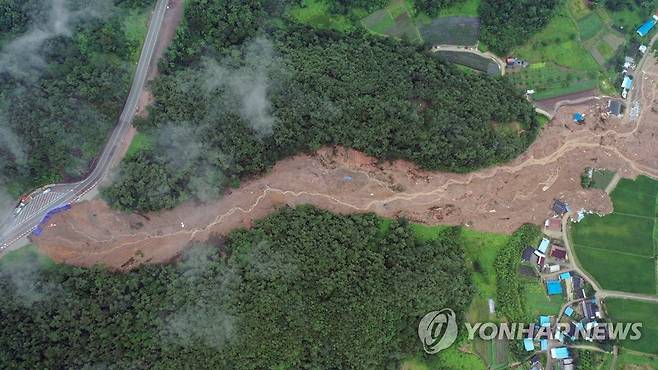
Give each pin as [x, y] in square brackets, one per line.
[302, 289]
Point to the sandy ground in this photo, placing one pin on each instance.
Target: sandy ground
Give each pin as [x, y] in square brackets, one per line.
[497, 199]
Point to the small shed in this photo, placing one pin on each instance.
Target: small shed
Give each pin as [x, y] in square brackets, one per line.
[615, 108]
[568, 311]
[553, 287]
[543, 344]
[553, 224]
[565, 276]
[545, 321]
[627, 84]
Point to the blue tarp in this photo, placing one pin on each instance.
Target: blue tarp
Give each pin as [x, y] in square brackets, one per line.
[554, 287]
[578, 117]
[565, 276]
[528, 344]
[628, 83]
[646, 27]
[568, 311]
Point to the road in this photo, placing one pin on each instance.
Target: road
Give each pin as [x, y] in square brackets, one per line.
[18, 226]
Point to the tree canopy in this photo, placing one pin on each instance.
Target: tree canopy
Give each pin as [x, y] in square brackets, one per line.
[249, 97]
[302, 289]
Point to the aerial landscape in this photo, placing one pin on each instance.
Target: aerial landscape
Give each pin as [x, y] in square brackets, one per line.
[329, 184]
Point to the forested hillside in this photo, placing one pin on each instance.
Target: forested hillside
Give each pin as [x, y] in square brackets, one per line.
[65, 68]
[302, 289]
[240, 92]
[506, 23]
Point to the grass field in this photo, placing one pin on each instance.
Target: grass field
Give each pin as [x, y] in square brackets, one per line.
[316, 13]
[135, 26]
[590, 25]
[140, 142]
[633, 361]
[468, 8]
[623, 310]
[29, 254]
[619, 249]
[601, 178]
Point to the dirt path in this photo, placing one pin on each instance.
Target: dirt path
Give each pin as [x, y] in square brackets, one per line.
[497, 199]
[613, 183]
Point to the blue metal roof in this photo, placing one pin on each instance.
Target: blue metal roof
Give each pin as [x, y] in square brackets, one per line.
[543, 344]
[544, 321]
[543, 246]
[565, 276]
[560, 353]
[646, 27]
[554, 287]
[568, 311]
[628, 83]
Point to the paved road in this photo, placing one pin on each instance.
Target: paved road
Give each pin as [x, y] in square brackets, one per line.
[17, 227]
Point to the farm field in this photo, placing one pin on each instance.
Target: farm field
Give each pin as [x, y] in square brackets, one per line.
[473, 61]
[316, 13]
[601, 178]
[394, 20]
[633, 361]
[624, 310]
[456, 30]
[619, 249]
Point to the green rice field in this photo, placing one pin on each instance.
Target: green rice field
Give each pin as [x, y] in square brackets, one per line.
[619, 249]
[625, 311]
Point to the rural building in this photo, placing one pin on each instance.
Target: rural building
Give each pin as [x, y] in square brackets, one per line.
[615, 108]
[553, 268]
[527, 253]
[629, 63]
[545, 321]
[553, 287]
[543, 344]
[560, 353]
[560, 207]
[559, 253]
[568, 311]
[543, 246]
[540, 262]
[553, 224]
[591, 309]
[647, 26]
[626, 85]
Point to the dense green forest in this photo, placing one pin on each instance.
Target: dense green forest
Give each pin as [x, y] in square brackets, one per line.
[64, 73]
[506, 24]
[233, 100]
[302, 289]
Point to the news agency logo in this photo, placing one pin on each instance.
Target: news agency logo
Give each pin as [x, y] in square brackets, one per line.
[438, 330]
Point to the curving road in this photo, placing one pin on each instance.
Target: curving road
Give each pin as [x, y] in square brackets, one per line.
[18, 226]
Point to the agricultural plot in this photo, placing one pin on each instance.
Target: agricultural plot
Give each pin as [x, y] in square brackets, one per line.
[395, 21]
[590, 25]
[470, 60]
[538, 302]
[625, 311]
[619, 249]
[550, 80]
[451, 31]
[601, 178]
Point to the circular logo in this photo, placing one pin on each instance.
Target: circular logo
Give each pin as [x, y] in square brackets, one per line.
[438, 330]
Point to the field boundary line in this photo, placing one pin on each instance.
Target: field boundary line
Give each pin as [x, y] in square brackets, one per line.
[637, 216]
[613, 251]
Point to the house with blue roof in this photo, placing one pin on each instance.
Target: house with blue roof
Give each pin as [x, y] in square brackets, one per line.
[543, 344]
[647, 26]
[627, 84]
[560, 353]
[545, 321]
[565, 276]
[543, 246]
[568, 311]
[553, 287]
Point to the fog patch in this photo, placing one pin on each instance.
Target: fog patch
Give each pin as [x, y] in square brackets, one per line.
[246, 86]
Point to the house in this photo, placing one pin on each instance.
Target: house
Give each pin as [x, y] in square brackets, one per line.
[553, 268]
[540, 262]
[565, 276]
[568, 311]
[627, 84]
[553, 287]
[560, 207]
[545, 321]
[529, 344]
[578, 117]
[647, 26]
[527, 253]
[553, 224]
[543, 246]
[559, 253]
[543, 344]
[615, 108]
[591, 309]
[579, 293]
[559, 353]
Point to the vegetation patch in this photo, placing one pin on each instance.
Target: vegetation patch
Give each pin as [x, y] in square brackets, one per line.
[619, 249]
[467, 8]
[601, 177]
[630, 311]
[538, 303]
[590, 25]
[393, 20]
[451, 31]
